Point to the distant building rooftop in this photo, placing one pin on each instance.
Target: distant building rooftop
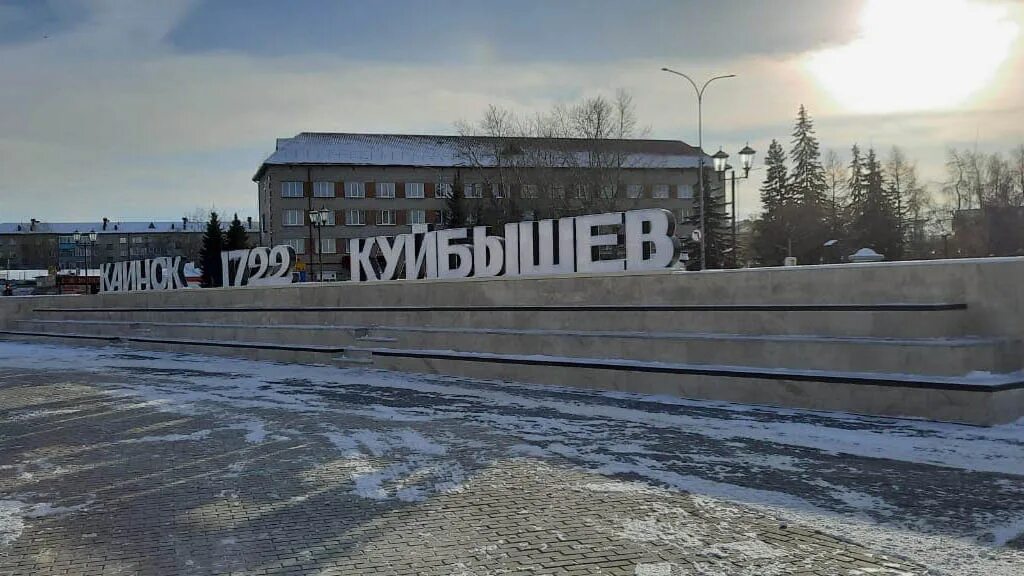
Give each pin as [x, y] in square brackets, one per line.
[319, 148]
[111, 228]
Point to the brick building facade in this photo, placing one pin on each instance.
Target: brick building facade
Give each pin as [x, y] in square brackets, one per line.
[383, 185]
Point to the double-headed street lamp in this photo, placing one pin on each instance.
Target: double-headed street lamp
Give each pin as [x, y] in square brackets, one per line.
[700, 146]
[87, 241]
[319, 219]
[721, 164]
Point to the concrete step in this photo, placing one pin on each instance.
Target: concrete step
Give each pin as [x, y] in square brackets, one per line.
[268, 351]
[940, 356]
[975, 399]
[877, 320]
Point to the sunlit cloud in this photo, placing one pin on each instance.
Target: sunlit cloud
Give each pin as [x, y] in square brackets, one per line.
[917, 55]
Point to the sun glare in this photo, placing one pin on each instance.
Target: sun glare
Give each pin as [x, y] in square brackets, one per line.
[916, 55]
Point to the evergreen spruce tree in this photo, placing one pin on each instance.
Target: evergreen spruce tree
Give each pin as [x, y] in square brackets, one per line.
[236, 238]
[770, 233]
[856, 186]
[875, 223]
[808, 189]
[716, 225]
[209, 254]
[454, 215]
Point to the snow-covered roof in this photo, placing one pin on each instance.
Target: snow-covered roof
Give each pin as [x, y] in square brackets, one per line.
[112, 227]
[320, 148]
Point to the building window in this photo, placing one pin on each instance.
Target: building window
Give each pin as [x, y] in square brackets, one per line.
[608, 191]
[635, 190]
[417, 216]
[580, 191]
[500, 190]
[557, 192]
[684, 191]
[355, 190]
[685, 213]
[414, 189]
[298, 244]
[529, 191]
[355, 218]
[475, 190]
[444, 190]
[330, 218]
[529, 215]
[328, 246]
[292, 218]
[323, 189]
[660, 191]
[385, 189]
[137, 239]
[291, 190]
[386, 218]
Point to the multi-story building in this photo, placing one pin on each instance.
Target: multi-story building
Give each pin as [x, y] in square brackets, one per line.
[37, 245]
[388, 184]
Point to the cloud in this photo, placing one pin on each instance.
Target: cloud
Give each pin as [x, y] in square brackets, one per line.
[109, 118]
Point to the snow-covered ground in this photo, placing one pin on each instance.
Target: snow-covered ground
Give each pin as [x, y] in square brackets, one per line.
[947, 496]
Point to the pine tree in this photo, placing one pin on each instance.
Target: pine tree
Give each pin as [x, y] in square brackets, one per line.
[209, 254]
[236, 238]
[808, 189]
[771, 237]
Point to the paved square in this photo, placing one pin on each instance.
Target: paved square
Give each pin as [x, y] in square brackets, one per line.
[114, 461]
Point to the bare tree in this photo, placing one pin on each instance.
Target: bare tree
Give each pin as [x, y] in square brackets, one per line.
[835, 178]
[561, 161]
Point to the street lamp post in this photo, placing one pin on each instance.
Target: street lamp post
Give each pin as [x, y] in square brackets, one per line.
[86, 241]
[721, 164]
[318, 218]
[700, 146]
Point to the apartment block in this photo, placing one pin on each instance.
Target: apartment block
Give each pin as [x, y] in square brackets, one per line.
[388, 184]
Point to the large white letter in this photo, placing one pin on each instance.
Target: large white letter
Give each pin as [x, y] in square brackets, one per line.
[178, 273]
[586, 241]
[655, 228]
[445, 251]
[488, 253]
[158, 273]
[392, 250]
[511, 249]
[421, 255]
[106, 271]
[540, 258]
[360, 258]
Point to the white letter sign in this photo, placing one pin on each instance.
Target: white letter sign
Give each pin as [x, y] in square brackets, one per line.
[611, 242]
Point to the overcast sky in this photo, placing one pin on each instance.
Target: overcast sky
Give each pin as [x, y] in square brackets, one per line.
[150, 110]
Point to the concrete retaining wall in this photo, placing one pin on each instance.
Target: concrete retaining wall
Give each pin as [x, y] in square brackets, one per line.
[891, 338]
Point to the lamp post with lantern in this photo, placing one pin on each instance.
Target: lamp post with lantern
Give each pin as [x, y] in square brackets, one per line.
[319, 219]
[700, 146]
[721, 164]
[86, 241]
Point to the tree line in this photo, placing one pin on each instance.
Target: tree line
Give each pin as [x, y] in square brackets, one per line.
[818, 210]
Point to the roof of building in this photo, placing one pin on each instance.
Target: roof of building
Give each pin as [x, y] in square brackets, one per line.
[320, 148]
[112, 227]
